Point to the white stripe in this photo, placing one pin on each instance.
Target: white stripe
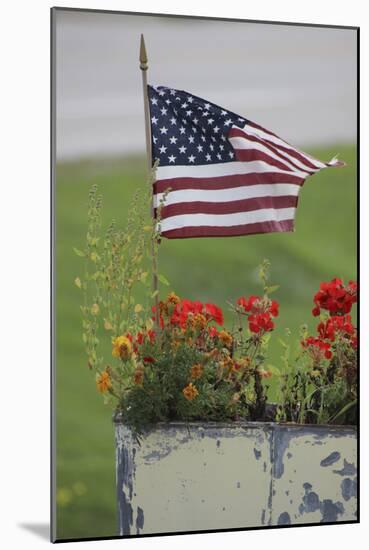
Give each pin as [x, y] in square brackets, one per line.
[220, 169]
[242, 143]
[295, 161]
[228, 195]
[227, 220]
[278, 141]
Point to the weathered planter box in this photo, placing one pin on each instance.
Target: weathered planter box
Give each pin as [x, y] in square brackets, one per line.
[209, 476]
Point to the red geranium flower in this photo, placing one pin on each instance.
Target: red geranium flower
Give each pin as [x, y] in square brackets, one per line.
[334, 297]
[318, 347]
[215, 313]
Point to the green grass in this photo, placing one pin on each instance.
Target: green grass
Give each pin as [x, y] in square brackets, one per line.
[323, 246]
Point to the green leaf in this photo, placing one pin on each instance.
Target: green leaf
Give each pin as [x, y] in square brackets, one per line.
[79, 252]
[163, 280]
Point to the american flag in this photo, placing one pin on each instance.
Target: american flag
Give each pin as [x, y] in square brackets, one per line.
[220, 174]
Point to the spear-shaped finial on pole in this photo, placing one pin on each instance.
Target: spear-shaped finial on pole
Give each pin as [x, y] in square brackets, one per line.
[143, 55]
[144, 65]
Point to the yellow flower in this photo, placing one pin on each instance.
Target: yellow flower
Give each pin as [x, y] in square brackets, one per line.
[103, 382]
[197, 371]
[226, 338]
[190, 392]
[122, 347]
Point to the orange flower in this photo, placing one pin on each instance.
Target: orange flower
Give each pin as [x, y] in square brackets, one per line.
[197, 371]
[226, 338]
[226, 363]
[190, 392]
[199, 321]
[244, 362]
[172, 298]
[122, 347]
[103, 382]
[138, 376]
[265, 373]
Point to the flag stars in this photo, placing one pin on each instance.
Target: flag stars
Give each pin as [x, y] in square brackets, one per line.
[208, 157]
[231, 154]
[184, 105]
[182, 130]
[211, 147]
[154, 101]
[163, 111]
[228, 122]
[191, 158]
[210, 120]
[216, 129]
[173, 120]
[182, 149]
[221, 147]
[163, 149]
[163, 130]
[172, 158]
[195, 120]
[161, 93]
[154, 120]
[219, 156]
[167, 101]
[191, 139]
[199, 148]
[190, 99]
[173, 140]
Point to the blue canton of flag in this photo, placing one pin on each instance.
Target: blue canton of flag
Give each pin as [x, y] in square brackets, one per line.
[189, 130]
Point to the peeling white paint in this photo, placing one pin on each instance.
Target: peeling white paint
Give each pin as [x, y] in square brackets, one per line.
[193, 477]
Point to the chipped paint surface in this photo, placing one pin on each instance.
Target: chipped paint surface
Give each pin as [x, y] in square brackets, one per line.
[313, 474]
[188, 477]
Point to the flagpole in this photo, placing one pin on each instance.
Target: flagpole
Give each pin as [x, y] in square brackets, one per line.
[144, 66]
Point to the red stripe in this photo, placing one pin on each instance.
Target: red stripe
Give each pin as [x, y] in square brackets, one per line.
[237, 132]
[225, 182]
[294, 152]
[233, 231]
[250, 155]
[244, 205]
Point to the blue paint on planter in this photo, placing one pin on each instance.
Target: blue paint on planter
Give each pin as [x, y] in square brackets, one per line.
[331, 510]
[284, 519]
[257, 454]
[347, 470]
[348, 488]
[139, 519]
[330, 459]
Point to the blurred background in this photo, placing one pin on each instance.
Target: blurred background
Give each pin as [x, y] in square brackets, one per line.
[299, 82]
